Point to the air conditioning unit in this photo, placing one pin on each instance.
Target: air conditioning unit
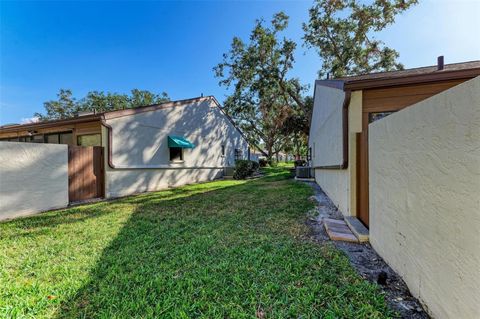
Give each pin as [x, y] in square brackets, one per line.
[303, 172]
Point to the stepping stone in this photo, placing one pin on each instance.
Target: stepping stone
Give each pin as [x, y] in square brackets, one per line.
[358, 229]
[338, 230]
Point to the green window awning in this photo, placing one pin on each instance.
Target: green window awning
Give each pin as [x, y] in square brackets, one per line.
[178, 141]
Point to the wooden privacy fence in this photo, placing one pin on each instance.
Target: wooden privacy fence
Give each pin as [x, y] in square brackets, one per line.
[85, 173]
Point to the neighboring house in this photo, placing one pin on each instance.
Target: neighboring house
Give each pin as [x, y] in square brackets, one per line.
[400, 151]
[137, 150]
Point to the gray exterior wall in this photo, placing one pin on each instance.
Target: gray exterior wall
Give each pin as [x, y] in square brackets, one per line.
[33, 178]
[140, 150]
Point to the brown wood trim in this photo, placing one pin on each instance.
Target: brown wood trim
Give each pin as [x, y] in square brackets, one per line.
[435, 76]
[40, 125]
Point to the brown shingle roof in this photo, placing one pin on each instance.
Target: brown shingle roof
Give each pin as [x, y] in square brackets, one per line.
[412, 72]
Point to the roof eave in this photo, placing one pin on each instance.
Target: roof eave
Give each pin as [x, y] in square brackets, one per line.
[355, 85]
[46, 124]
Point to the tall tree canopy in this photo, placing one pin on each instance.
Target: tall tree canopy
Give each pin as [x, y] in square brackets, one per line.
[342, 33]
[67, 106]
[264, 96]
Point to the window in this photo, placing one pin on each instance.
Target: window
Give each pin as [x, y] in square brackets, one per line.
[176, 154]
[377, 116]
[89, 140]
[59, 138]
[37, 139]
[52, 138]
[238, 154]
[66, 138]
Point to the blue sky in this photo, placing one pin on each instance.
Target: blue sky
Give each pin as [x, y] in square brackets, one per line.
[172, 46]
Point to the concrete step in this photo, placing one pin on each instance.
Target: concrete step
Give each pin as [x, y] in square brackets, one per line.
[358, 229]
[337, 229]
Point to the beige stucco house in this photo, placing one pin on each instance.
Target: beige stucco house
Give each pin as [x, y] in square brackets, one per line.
[400, 151]
[129, 151]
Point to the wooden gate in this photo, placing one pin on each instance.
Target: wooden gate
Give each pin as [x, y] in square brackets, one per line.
[85, 172]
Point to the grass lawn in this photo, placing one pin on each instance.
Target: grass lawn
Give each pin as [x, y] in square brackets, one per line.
[225, 249]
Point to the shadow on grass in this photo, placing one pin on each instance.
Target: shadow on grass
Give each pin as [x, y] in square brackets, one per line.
[172, 257]
[223, 250]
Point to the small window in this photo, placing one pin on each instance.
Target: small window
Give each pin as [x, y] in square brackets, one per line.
[66, 138]
[37, 139]
[89, 140]
[223, 150]
[238, 154]
[51, 138]
[176, 154]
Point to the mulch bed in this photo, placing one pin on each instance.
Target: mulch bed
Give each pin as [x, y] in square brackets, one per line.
[364, 259]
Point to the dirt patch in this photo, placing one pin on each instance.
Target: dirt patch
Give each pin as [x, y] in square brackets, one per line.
[364, 259]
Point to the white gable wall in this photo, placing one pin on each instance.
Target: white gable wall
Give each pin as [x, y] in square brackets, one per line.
[141, 155]
[326, 142]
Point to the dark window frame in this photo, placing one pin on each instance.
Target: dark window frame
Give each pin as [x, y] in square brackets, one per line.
[58, 134]
[91, 134]
[176, 154]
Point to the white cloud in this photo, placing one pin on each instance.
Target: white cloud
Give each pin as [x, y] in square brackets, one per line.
[27, 120]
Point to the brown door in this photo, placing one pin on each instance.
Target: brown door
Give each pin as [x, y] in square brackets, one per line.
[362, 168]
[85, 172]
[362, 171]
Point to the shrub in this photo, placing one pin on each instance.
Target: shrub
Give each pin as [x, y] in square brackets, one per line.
[255, 166]
[272, 163]
[262, 162]
[244, 168]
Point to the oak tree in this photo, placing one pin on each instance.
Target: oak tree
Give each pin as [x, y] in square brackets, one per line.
[263, 95]
[343, 33]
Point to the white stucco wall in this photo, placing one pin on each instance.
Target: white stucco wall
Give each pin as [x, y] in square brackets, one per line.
[33, 178]
[326, 139]
[425, 198]
[140, 150]
[326, 131]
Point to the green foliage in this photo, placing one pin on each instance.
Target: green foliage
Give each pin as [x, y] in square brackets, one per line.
[263, 96]
[67, 106]
[272, 163]
[342, 33]
[225, 249]
[262, 162]
[245, 168]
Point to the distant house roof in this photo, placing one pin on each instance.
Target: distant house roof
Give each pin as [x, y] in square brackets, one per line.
[404, 77]
[114, 114]
[81, 118]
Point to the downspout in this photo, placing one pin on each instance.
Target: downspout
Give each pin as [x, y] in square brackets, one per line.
[344, 164]
[109, 146]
